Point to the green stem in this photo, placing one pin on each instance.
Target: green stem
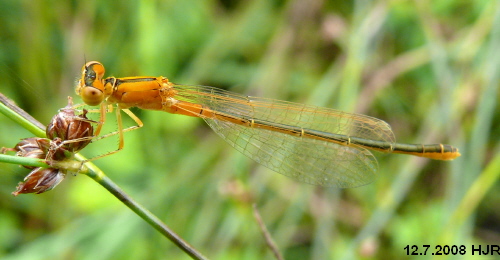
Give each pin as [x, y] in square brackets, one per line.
[23, 161]
[9, 109]
[97, 175]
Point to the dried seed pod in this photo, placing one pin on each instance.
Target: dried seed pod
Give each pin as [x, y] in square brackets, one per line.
[29, 147]
[68, 133]
[75, 131]
[40, 180]
[32, 147]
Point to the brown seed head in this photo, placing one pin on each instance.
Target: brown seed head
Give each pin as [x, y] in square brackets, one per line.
[40, 180]
[32, 147]
[67, 126]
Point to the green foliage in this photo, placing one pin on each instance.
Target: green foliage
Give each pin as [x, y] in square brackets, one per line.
[428, 68]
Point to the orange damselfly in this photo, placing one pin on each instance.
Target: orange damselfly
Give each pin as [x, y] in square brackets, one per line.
[310, 144]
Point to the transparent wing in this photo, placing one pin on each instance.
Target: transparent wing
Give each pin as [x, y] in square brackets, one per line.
[289, 113]
[307, 160]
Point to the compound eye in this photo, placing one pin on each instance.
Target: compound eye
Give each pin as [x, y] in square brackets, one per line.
[94, 67]
[91, 96]
[98, 69]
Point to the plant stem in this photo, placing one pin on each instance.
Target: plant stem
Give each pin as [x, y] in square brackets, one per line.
[97, 175]
[12, 111]
[23, 161]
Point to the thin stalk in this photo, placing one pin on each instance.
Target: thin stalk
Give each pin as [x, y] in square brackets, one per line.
[23, 161]
[97, 175]
[12, 111]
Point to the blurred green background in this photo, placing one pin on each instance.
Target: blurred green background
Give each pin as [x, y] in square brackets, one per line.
[428, 68]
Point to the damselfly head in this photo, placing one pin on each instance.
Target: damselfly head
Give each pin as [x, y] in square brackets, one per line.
[90, 87]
